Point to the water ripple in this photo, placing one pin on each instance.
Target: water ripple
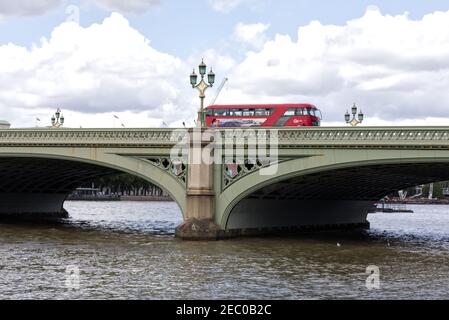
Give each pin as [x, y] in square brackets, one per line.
[126, 250]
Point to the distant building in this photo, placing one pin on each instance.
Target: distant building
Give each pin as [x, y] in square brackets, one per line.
[4, 124]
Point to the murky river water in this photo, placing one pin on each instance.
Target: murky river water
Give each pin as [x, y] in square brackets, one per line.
[126, 250]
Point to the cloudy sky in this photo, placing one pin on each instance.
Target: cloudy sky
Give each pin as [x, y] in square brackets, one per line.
[132, 58]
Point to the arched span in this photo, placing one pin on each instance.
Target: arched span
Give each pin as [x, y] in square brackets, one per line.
[40, 182]
[323, 190]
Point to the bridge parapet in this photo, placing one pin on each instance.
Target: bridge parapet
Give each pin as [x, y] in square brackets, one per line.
[287, 137]
[90, 137]
[351, 137]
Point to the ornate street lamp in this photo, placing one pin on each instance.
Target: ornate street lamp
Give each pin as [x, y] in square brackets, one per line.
[57, 120]
[202, 86]
[354, 121]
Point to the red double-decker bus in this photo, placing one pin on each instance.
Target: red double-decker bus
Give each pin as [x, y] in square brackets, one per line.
[263, 115]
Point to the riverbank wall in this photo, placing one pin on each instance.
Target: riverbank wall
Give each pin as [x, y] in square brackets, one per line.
[417, 201]
[117, 198]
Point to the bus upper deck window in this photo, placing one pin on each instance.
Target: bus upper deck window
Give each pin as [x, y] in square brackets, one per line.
[248, 112]
[209, 112]
[290, 112]
[237, 112]
[299, 112]
[262, 112]
[221, 112]
[317, 113]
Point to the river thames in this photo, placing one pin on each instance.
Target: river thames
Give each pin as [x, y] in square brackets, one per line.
[126, 250]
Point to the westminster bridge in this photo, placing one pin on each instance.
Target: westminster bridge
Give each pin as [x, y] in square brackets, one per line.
[309, 178]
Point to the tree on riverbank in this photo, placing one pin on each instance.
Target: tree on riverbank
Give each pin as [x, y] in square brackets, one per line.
[438, 191]
[125, 185]
[129, 185]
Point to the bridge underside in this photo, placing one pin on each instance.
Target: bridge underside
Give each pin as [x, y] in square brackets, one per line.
[37, 187]
[329, 199]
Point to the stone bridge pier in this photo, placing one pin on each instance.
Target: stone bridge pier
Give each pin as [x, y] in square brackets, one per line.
[199, 219]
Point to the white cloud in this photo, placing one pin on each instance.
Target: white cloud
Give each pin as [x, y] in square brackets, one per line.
[126, 6]
[226, 6]
[252, 35]
[395, 68]
[18, 8]
[375, 121]
[26, 7]
[392, 66]
[107, 67]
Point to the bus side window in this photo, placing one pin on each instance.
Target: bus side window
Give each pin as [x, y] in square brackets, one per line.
[237, 112]
[262, 112]
[248, 112]
[299, 112]
[220, 112]
[317, 113]
[209, 112]
[290, 112]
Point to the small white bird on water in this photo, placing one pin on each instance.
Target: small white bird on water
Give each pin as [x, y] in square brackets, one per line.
[338, 244]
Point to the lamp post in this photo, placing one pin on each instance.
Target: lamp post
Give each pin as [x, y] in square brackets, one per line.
[202, 86]
[57, 120]
[354, 121]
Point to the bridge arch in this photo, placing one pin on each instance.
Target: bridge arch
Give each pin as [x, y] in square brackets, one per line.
[58, 171]
[328, 187]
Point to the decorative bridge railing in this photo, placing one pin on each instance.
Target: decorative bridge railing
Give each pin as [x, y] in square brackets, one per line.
[338, 137]
[89, 137]
[321, 137]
